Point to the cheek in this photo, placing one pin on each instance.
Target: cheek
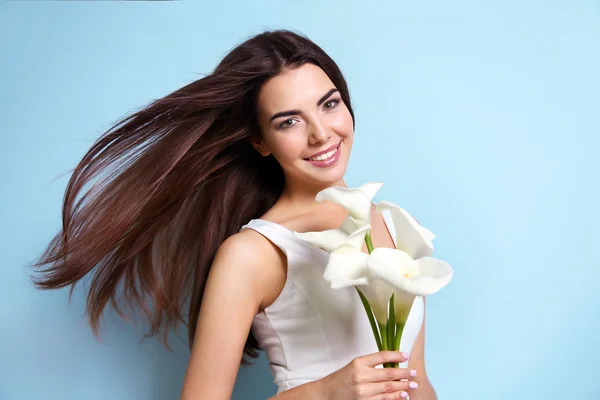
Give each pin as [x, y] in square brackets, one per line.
[343, 124]
[289, 148]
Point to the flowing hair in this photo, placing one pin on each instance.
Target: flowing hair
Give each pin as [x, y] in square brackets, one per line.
[166, 185]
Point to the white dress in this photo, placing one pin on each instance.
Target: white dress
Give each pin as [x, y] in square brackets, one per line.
[311, 330]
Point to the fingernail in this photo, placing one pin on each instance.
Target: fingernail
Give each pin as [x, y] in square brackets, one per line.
[405, 355]
[403, 394]
[413, 385]
[413, 372]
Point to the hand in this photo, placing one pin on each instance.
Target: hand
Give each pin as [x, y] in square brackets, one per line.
[360, 380]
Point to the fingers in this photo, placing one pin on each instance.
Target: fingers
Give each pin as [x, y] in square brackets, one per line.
[382, 383]
[381, 357]
[391, 374]
[390, 396]
[389, 388]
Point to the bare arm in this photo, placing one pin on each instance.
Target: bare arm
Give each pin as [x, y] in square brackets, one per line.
[244, 266]
[233, 295]
[416, 361]
[307, 391]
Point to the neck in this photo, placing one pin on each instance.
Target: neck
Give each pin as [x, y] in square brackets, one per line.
[303, 196]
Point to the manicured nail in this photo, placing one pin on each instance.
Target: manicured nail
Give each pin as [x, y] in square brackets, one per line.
[413, 372]
[413, 385]
[405, 355]
[403, 394]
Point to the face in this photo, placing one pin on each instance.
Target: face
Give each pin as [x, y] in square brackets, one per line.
[306, 126]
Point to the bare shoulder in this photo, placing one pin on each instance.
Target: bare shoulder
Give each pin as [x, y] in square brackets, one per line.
[255, 260]
[248, 247]
[243, 276]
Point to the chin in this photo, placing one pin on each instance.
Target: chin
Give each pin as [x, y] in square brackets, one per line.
[329, 177]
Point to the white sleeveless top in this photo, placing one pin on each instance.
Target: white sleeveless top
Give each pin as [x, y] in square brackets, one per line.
[311, 330]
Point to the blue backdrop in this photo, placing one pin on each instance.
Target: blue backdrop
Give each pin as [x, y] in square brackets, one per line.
[482, 119]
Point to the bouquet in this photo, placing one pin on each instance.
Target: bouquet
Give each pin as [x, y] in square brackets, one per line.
[387, 280]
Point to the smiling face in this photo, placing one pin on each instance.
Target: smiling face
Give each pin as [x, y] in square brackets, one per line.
[305, 126]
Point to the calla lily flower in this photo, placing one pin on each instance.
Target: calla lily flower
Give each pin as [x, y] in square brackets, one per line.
[400, 274]
[411, 237]
[356, 201]
[378, 294]
[393, 271]
[407, 271]
[422, 277]
[347, 265]
[358, 204]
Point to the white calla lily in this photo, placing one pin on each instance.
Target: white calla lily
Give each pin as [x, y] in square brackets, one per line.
[407, 271]
[347, 265]
[358, 204]
[403, 303]
[330, 239]
[422, 277]
[378, 294]
[404, 273]
[356, 201]
[411, 237]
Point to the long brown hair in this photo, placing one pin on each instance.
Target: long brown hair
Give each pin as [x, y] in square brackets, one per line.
[165, 186]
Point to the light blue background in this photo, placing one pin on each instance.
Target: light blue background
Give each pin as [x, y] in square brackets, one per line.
[482, 118]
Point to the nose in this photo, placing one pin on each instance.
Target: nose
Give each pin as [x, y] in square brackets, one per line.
[318, 134]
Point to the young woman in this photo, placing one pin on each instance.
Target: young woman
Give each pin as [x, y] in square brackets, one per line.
[189, 212]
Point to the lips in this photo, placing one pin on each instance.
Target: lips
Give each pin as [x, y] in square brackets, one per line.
[326, 158]
[323, 152]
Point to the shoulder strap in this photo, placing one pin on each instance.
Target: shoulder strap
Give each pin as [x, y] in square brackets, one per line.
[275, 233]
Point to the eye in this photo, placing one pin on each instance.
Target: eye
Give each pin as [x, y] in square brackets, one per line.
[332, 103]
[287, 123]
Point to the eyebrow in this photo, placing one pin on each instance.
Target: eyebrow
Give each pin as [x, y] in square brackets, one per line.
[295, 112]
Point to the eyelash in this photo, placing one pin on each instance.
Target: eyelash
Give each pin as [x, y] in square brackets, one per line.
[336, 101]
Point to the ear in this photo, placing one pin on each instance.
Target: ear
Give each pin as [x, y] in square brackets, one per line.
[259, 145]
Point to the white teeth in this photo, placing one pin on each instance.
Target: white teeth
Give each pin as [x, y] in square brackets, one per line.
[325, 156]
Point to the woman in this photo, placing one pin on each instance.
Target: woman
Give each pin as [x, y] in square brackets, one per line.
[191, 207]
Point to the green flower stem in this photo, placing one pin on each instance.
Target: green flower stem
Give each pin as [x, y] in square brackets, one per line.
[369, 311]
[382, 335]
[391, 324]
[399, 330]
[391, 329]
[369, 242]
[384, 342]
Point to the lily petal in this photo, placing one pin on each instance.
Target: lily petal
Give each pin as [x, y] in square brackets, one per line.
[426, 232]
[378, 294]
[357, 238]
[356, 201]
[397, 269]
[346, 267]
[403, 303]
[371, 189]
[331, 239]
[434, 274]
[411, 237]
[328, 240]
[392, 266]
[350, 225]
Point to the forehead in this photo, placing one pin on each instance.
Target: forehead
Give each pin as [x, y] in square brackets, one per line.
[293, 88]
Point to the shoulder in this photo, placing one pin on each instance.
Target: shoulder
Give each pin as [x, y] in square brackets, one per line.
[253, 260]
[248, 248]
[242, 244]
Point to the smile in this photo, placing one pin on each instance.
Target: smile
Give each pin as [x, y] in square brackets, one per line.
[326, 157]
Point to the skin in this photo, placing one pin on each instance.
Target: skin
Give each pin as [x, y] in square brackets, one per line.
[259, 267]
